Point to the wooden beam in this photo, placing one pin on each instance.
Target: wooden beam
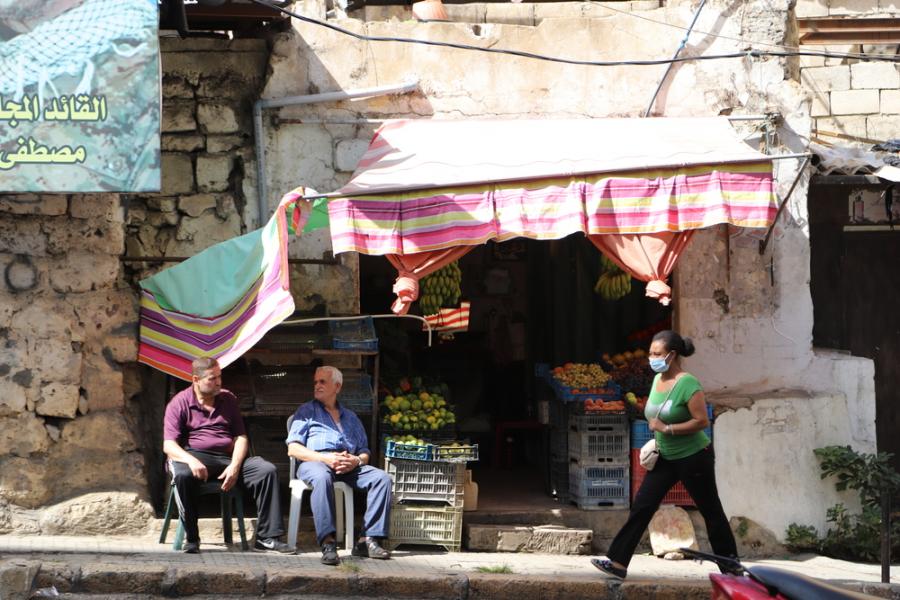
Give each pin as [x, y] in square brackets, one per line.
[837, 30]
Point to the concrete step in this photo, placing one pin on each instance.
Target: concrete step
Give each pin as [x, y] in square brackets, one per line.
[549, 539]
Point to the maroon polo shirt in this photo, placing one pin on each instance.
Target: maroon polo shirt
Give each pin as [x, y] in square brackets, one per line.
[192, 427]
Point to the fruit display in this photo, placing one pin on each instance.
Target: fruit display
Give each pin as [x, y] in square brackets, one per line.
[637, 403]
[581, 378]
[416, 407]
[440, 288]
[631, 371]
[592, 406]
[613, 283]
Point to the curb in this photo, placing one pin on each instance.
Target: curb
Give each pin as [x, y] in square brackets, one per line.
[98, 578]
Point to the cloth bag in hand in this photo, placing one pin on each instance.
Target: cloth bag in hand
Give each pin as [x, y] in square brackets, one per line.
[649, 452]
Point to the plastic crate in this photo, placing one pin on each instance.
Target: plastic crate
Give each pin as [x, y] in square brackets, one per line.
[580, 407]
[357, 393]
[611, 391]
[446, 433]
[462, 453]
[394, 449]
[641, 434]
[595, 447]
[677, 495]
[597, 488]
[355, 334]
[603, 421]
[428, 525]
[420, 481]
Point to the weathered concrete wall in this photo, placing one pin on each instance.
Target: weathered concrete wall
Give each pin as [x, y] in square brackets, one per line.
[768, 472]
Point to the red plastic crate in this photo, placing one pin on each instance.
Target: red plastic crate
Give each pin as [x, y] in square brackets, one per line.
[677, 495]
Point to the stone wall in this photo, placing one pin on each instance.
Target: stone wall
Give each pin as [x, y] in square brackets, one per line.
[68, 329]
[852, 98]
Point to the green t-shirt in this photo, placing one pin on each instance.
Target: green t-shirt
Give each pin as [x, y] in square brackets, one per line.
[673, 412]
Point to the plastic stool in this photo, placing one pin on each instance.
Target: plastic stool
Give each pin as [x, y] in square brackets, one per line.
[343, 504]
[226, 499]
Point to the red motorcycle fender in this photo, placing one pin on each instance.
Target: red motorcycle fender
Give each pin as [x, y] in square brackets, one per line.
[731, 587]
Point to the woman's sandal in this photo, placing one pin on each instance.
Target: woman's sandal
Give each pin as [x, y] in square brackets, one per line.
[607, 566]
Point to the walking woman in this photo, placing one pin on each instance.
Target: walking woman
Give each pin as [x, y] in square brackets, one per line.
[676, 413]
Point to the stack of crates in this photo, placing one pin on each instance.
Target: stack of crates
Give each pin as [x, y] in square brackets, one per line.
[428, 490]
[599, 460]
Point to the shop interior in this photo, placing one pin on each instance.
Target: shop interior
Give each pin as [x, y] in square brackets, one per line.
[532, 303]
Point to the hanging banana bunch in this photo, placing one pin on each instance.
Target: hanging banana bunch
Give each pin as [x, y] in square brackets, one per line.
[613, 283]
[441, 288]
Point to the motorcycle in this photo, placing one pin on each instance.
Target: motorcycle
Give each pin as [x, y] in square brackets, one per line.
[765, 583]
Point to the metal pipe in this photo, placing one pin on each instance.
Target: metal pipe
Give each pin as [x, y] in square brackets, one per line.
[765, 240]
[380, 316]
[293, 261]
[262, 104]
[678, 50]
[280, 121]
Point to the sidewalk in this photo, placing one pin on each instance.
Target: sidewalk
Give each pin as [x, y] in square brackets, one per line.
[130, 565]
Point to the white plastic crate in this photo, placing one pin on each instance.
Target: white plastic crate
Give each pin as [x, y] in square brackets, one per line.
[594, 447]
[427, 525]
[599, 487]
[424, 481]
[608, 421]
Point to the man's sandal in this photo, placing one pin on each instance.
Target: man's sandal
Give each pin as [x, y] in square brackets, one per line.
[370, 548]
[607, 566]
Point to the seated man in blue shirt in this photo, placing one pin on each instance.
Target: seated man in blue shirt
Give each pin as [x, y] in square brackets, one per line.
[331, 444]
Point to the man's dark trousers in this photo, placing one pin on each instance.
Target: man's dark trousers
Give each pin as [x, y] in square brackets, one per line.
[257, 475]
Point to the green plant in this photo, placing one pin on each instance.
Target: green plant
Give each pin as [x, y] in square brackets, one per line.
[506, 569]
[801, 538]
[742, 528]
[350, 567]
[870, 474]
[852, 536]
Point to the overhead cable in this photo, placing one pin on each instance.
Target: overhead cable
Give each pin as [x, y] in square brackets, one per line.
[750, 53]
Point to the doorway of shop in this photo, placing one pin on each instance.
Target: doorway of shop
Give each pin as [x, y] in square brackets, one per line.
[855, 287]
[533, 304]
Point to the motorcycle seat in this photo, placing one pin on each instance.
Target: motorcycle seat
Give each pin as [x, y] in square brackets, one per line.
[800, 587]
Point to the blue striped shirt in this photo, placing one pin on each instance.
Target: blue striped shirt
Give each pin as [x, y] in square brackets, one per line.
[314, 428]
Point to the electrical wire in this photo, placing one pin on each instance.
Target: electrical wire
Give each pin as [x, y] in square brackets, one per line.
[859, 55]
[750, 53]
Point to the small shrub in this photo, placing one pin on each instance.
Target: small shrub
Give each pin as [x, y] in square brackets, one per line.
[802, 538]
[850, 536]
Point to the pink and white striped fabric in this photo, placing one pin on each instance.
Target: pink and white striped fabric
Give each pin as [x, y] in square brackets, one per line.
[427, 185]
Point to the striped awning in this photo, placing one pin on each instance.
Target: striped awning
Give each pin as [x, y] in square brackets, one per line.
[220, 302]
[426, 184]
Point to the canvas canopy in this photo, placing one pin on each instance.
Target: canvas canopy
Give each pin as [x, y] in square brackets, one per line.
[427, 185]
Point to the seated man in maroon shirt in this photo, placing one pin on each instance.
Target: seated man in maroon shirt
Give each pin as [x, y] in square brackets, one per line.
[204, 438]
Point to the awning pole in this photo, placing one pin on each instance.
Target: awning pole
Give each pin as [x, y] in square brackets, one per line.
[765, 241]
[677, 52]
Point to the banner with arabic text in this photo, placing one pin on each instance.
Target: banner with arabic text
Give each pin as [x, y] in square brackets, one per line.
[79, 96]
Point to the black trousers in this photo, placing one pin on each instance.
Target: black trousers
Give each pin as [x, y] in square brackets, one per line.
[257, 475]
[698, 473]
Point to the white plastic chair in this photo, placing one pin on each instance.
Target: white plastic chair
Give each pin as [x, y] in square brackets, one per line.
[343, 504]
